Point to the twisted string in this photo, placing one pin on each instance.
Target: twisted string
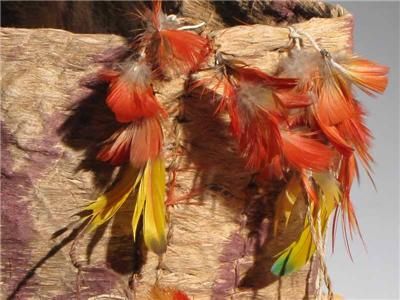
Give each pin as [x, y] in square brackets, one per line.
[319, 239]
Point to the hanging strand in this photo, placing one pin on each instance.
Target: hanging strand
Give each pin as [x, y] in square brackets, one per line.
[319, 243]
[317, 236]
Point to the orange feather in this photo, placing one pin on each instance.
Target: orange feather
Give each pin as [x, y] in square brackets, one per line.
[173, 51]
[130, 93]
[357, 133]
[138, 142]
[348, 171]
[306, 153]
[255, 75]
[334, 103]
[292, 98]
[181, 52]
[335, 137]
[367, 75]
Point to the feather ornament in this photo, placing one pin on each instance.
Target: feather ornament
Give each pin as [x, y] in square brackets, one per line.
[329, 79]
[341, 119]
[257, 104]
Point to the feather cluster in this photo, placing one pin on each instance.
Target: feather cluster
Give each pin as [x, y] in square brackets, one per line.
[338, 118]
[162, 51]
[302, 125]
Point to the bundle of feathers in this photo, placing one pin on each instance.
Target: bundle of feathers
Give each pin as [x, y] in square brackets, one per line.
[302, 125]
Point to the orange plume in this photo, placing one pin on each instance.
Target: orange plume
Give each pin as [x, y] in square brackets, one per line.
[173, 51]
[306, 153]
[130, 93]
[334, 103]
[138, 142]
[367, 75]
[357, 133]
[253, 100]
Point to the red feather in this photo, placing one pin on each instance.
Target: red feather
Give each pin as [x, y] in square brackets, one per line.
[306, 153]
[130, 94]
[334, 103]
[172, 51]
[179, 295]
[139, 142]
[229, 102]
[180, 52]
[357, 133]
[336, 138]
[292, 98]
[347, 172]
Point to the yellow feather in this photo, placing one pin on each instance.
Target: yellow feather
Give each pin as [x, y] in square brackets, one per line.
[140, 200]
[105, 207]
[286, 200]
[150, 181]
[299, 252]
[329, 189]
[151, 196]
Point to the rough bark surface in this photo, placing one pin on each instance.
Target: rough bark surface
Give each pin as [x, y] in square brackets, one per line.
[116, 16]
[220, 246]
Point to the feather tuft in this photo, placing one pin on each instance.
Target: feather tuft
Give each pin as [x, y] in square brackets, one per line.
[130, 94]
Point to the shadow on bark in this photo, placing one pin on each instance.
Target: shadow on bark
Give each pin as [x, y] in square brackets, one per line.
[213, 151]
[53, 251]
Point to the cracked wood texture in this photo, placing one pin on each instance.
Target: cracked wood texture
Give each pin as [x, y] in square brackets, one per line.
[53, 119]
